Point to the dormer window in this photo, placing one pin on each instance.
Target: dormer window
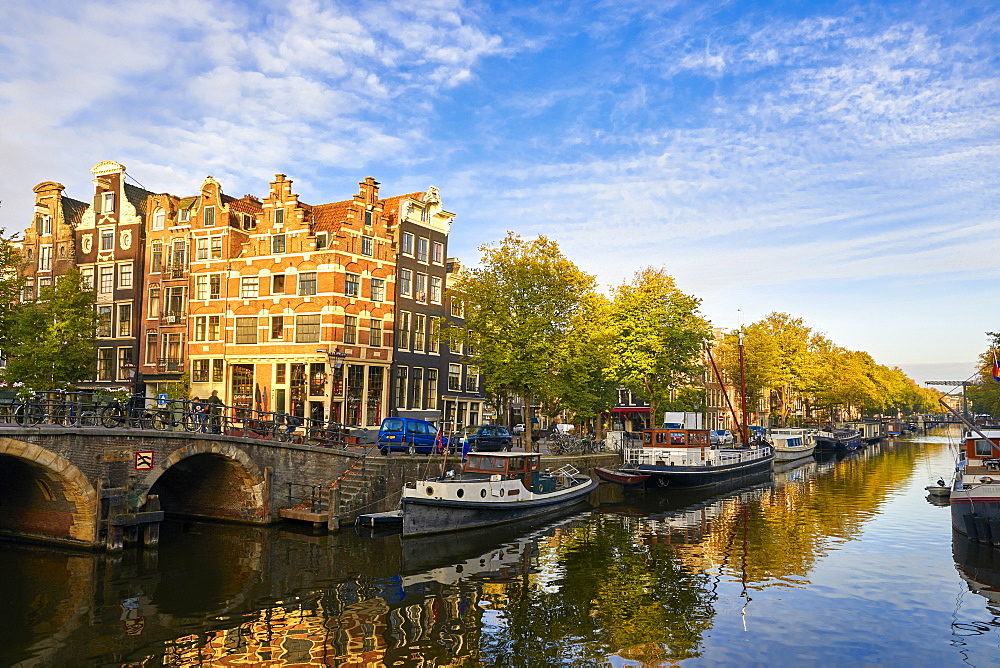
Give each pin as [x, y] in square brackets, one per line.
[249, 222]
[184, 215]
[107, 203]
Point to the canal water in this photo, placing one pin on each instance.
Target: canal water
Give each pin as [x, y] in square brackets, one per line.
[843, 561]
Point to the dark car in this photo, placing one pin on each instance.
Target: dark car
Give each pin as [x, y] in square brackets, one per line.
[487, 438]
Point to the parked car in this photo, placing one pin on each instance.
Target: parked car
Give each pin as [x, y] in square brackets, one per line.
[721, 437]
[518, 429]
[410, 434]
[487, 438]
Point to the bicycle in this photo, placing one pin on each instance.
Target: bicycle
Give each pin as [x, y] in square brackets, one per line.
[114, 415]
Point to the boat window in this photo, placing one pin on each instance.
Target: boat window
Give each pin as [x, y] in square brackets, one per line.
[499, 464]
[698, 438]
[677, 438]
[661, 437]
[647, 437]
[983, 448]
[516, 464]
[474, 462]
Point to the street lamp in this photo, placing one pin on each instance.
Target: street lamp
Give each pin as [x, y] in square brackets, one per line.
[130, 369]
[336, 361]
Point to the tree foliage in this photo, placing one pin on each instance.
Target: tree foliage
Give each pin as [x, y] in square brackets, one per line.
[659, 338]
[526, 322]
[51, 339]
[985, 396]
[11, 285]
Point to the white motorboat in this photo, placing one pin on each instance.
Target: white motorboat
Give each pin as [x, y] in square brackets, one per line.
[792, 444]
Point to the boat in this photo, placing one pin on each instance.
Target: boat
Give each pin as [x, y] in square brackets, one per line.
[941, 489]
[620, 477]
[493, 488]
[388, 518]
[685, 458]
[792, 444]
[840, 439]
[975, 491]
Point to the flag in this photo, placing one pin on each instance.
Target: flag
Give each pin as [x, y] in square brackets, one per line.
[996, 369]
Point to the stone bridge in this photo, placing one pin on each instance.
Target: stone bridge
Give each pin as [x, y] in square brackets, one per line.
[86, 486]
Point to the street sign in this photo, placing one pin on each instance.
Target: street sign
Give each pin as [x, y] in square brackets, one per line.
[161, 399]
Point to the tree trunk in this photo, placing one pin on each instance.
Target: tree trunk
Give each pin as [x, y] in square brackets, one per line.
[528, 424]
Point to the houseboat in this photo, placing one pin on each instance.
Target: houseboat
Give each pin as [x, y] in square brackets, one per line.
[685, 458]
[841, 439]
[792, 444]
[493, 488]
[975, 492]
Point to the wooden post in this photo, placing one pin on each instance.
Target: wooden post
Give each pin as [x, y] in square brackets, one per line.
[151, 532]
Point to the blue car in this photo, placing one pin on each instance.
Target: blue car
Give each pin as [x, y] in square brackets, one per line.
[410, 435]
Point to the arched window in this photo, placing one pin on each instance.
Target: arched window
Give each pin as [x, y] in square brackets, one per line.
[159, 218]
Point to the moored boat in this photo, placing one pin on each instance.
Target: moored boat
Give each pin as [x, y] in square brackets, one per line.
[792, 444]
[975, 492]
[494, 488]
[620, 477]
[838, 440]
[675, 457]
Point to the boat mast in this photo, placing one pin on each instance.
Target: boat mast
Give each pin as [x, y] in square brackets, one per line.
[743, 390]
[718, 377]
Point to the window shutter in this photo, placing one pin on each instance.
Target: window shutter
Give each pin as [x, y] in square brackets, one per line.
[38, 223]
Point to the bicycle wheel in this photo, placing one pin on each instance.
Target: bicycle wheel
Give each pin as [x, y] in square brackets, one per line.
[112, 417]
[28, 415]
[160, 420]
[190, 422]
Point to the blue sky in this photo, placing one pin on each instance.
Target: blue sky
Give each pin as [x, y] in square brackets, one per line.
[833, 160]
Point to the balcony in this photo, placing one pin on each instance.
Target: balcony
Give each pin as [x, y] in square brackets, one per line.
[165, 364]
[172, 317]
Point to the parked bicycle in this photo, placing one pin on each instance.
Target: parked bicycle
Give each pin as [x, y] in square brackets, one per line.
[134, 413]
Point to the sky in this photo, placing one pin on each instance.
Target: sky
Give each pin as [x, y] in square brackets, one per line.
[831, 160]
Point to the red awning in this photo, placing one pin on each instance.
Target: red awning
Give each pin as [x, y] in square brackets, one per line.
[634, 409]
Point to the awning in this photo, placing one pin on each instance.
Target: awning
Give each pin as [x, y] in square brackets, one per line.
[633, 409]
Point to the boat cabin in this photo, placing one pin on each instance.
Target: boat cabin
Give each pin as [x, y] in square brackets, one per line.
[505, 464]
[982, 452]
[675, 438]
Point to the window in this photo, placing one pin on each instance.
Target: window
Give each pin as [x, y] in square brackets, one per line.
[307, 283]
[154, 302]
[87, 278]
[201, 253]
[46, 225]
[404, 330]
[278, 284]
[156, 257]
[215, 328]
[279, 217]
[454, 377]
[216, 248]
[378, 290]
[471, 380]
[107, 240]
[375, 334]
[248, 287]
[209, 216]
[249, 222]
[104, 321]
[105, 364]
[184, 215]
[159, 218]
[307, 328]
[401, 374]
[352, 285]
[457, 308]
[107, 203]
[217, 370]
[435, 289]
[405, 282]
[368, 217]
[124, 320]
[201, 287]
[350, 329]
[125, 275]
[277, 244]
[417, 388]
[431, 388]
[277, 327]
[42, 284]
[367, 246]
[175, 304]
[199, 371]
[28, 293]
[107, 274]
[45, 258]
[437, 252]
[151, 347]
[423, 252]
[322, 241]
[214, 286]
[178, 259]
[246, 330]
[434, 337]
[420, 288]
[406, 244]
[201, 330]
[419, 323]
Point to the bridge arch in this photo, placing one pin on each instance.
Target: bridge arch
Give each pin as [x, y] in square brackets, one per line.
[45, 496]
[209, 479]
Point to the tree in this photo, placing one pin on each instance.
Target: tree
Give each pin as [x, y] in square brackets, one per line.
[985, 396]
[11, 285]
[659, 337]
[51, 340]
[521, 307]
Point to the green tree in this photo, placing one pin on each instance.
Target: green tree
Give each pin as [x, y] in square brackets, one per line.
[659, 338]
[11, 285]
[521, 307]
[985, 396]
[51, 339]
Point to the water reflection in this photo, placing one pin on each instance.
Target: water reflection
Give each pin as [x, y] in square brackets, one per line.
[648, 579]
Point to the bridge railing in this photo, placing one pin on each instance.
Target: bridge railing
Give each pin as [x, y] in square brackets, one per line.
[115, 411]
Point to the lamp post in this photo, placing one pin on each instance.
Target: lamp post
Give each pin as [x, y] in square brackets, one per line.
[131, 370]
[336, 361]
